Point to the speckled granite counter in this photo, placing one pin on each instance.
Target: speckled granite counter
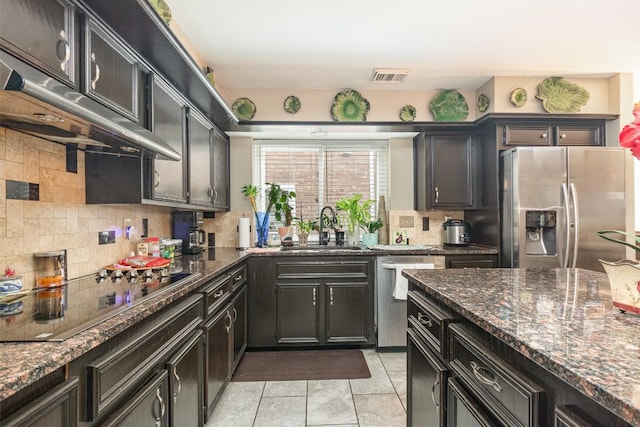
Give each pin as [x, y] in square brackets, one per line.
[561, 319]
[24, 363]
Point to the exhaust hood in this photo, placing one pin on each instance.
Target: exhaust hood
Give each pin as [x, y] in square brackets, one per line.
[34, 103]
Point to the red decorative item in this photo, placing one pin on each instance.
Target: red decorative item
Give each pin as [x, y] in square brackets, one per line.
[9, 272]
[630, 134]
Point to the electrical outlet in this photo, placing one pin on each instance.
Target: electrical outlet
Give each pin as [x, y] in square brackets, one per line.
[126, 222]
[425, 223]
[406, 222]
[127, 228]
[106, 237]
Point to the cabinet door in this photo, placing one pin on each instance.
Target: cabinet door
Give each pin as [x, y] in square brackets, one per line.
[462, 410]
[200, 174]
[42, 33]
[218, 333]
[186, 375]
[239, 324]
[580, 134]
[56, 408]
[111, 73]
[220, 171]
[298, 313]
[168, 178]
[426, 384]
[526, 134]
[346, 312]
[148, 407]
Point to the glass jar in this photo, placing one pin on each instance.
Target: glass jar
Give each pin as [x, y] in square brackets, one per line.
[51, 268]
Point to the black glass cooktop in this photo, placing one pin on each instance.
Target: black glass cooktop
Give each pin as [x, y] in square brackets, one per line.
[57, 313]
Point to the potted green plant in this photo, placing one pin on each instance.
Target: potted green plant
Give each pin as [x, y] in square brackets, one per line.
[370, 238]
[281, 200]
[305, 228]
[358, 215]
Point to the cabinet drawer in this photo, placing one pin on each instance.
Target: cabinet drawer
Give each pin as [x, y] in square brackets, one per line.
[314, 270]
[239, 277]
[579, 135]
[217, 293]
[506, 393]
[432, 322]
[110, 378]
[513, 135]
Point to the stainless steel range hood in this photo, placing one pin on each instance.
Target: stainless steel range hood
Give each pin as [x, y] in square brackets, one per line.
[34, 103]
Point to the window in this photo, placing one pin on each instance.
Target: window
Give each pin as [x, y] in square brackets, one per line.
[321, 173]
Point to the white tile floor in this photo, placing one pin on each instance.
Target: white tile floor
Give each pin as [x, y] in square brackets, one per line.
[377, 401]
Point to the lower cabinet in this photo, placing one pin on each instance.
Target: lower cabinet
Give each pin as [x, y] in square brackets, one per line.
[462, 409]
[346, 312]
[147, 407]
[55, 408]
[239, 302]
[219, 353]
[298, 313]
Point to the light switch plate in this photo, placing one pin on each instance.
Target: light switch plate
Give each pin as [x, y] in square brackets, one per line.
[406, 222]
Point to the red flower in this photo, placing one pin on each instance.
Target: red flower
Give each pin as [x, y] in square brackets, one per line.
[630, 134]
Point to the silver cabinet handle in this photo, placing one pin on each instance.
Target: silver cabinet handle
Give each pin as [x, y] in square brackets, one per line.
[63, 51]
[97, 71]
[563, 136]
[433, 395]
[238, 277]
[437, 194]
[162, 407]
[425, 320]
[228, 327]
[175, 375]
[331, 296]
[235, 314]
[157, 175]
[210, 193]
[485, 376]
[544, 135]
[215, 194]
[219, 293]
[314, 296]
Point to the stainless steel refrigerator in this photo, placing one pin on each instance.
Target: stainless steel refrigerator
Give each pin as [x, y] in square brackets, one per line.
[554, 199]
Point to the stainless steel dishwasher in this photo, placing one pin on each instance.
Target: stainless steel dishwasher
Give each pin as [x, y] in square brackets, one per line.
[391, 313]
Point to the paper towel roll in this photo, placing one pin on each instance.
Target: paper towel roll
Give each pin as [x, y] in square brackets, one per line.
[244, 233]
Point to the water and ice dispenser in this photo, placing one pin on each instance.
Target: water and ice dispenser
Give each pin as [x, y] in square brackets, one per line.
[541, 233]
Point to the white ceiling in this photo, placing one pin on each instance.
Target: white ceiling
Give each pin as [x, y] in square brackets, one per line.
[333, 44]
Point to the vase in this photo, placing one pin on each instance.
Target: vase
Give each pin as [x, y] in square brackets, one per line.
[624, 278]
[262, 229]
[369, 239]
[383, 233]
[286, 235]
[353, 238]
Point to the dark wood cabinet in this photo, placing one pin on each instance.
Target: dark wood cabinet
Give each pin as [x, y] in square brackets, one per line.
[55, 408]
[298, 313]
[471, 261]
[44, 34]
[545, 133]
[239, 302]
[167, 179]
[445, 170]
[148, 407]
[219, 351]
[462, 410]
[201, 190]
[346, 312]
[221, 171]
[186, 379]
[111, 72]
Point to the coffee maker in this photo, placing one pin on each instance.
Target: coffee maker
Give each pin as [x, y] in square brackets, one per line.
[187, 225]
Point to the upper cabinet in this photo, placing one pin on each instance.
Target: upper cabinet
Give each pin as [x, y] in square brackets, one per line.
[111, 73]
[42, 33]
[445, 170]
[545, 133]
[200, 160]
[220, 170]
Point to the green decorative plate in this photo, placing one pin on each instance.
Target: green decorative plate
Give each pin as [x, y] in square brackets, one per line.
[349, 106]
[449, 106]
[518, 97]
[408, 113]
[162, 9]
[561, 96]
[483, 102]
[292, 104]
[244, 108]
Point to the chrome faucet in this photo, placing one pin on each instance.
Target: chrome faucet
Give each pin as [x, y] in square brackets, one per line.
[333, 221]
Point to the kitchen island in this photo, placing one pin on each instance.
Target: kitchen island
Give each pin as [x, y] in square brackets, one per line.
[562, 320]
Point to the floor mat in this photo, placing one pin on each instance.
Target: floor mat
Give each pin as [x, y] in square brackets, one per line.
[301, 365]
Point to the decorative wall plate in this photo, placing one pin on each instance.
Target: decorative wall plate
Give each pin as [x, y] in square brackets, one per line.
[408, 113]
[449, 106]
[561, 96]
[244, 108]
[349, 106]
[518, 97]
[162, 9]
[292, 104]
[483, 102]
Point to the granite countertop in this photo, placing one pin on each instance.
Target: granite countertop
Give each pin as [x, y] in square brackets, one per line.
[314, 250]
[24, 363]
[562, 319]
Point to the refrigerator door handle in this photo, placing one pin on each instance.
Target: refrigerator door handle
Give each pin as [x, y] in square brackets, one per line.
[576, 223]
[565, 197]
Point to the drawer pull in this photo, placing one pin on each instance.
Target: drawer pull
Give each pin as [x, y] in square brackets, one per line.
[162, 408]
[424, 319]
[175, 375]
[219, 293]
[485, 376]
[563, 136]
[544, 135]
[433, 395]
[238, 277]
[96, 73]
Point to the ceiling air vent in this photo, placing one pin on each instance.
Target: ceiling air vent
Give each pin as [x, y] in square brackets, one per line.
[389, 75]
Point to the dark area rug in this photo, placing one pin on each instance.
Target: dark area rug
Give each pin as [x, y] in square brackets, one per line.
[301, 365]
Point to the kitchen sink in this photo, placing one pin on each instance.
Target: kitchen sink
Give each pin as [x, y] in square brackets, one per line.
[320, 248]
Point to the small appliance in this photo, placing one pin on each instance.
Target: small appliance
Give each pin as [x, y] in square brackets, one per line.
[187, 226]
[456, 232]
